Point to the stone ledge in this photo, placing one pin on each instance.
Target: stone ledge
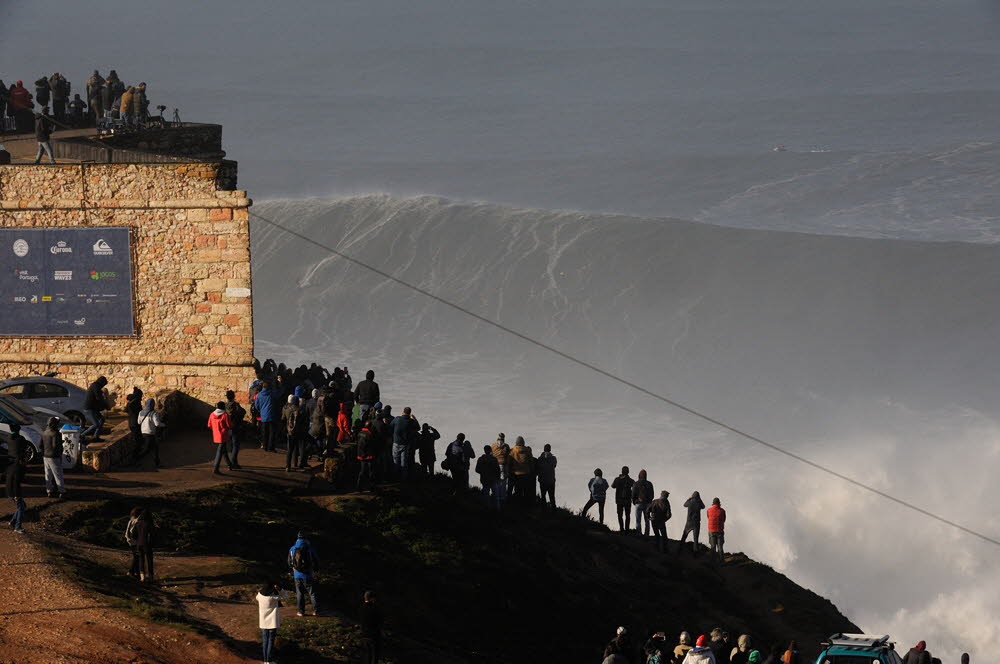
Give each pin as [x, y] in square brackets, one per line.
[124, 204]
[74, 359]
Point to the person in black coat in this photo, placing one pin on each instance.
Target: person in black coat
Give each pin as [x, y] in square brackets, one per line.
[95, 403]
[623, 499]
[371, 621]
[692, 526]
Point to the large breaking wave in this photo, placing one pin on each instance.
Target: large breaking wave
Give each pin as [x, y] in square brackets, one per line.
[875, 357]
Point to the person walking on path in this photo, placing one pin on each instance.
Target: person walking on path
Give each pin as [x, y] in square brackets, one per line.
[598, 487]
[692, 526]
[404, 430]
[425, 445]
[304, 561]
[501, 452]
[149, 421]
[659, 514]
[367, 394]
[642, 498]
[371, 620]
[918, 654]
[716, 528]
[144, 534]
[94, 404]
[269, 618]
[522, 468]
[488, 470]
[52, 450]
[218, 422]
[268, 409]
[43, 131]
[546, 465]
[237, 420]
[623, 499]
[458, 456]
[15, 476]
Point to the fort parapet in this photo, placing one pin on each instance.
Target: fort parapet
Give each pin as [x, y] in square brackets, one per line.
[190, 248]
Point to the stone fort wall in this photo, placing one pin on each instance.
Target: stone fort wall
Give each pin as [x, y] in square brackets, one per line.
[191, 274]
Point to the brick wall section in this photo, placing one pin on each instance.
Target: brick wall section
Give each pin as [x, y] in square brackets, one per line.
[191, 243]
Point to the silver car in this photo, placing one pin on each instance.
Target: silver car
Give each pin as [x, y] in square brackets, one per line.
[32, 422]
[51, 393]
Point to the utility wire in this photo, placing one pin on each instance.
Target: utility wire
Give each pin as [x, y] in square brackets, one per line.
[629, 384]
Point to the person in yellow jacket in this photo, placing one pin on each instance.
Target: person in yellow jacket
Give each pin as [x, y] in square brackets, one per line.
[522, 468]
[125, 108]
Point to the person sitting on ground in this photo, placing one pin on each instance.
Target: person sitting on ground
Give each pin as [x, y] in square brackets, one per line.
[371, 620]
[489, 477]
[716, 528]
[683, 646]
[52, 451]
[269, 618]
[623, 499]
[304, 561]
[457, 456]
[546, 466]
[15, 476]
[918, 654]
[701, 653]
[741, 653]
[218, 423]
[425, 445]
[94, 404]
[642, 498]
[598, 488]
[522, 469]
[659, 514]
[692, 526]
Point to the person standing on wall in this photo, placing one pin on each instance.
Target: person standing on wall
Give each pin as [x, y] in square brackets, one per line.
[52, 450]
[94, 404]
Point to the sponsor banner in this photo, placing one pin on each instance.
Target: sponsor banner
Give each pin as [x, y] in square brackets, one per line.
[66, 282]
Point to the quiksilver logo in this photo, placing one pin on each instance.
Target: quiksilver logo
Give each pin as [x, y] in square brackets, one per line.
[102, 248]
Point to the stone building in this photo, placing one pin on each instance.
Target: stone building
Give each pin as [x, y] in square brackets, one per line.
[190, 251]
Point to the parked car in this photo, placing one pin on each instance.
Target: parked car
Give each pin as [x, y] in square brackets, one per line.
[32, 422]
[858, 649]
[52, 393]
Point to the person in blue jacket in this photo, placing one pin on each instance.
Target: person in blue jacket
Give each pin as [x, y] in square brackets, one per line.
[268, 409]
[304, 562]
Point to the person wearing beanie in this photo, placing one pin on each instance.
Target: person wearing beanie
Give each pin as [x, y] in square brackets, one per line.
[642, 498]
[598, 487]
[659, 514]
[701, 653]
[623, 499]
[52, 450]
[716, 528]
[918, 654]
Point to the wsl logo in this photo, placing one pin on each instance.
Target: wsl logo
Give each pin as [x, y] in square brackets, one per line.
[21, 248]
[102, 248]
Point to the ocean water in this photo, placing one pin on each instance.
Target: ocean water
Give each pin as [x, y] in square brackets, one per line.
[600, 176]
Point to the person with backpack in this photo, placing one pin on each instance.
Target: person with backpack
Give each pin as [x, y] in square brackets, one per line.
[218, 423]
[237, 416]
[546, 467]
[659, 514]
[304, 561]
[716, 528]
[15, 476]
[457, 458]
[269, 618]
[295, 429]
[488, 470]
[692, 526]
[149, 422]
[425, 445]
[598, 487]
[642, 498]
[623, 499]
[52, 450]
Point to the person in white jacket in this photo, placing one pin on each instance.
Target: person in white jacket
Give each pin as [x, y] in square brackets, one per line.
[701, 653]
[149, 419]
[268, 603]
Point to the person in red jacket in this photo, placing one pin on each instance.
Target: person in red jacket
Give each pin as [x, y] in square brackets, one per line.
[716, 527]
[220, 425]
[344, 424]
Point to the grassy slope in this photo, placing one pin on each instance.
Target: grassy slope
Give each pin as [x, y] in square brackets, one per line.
[459, 583]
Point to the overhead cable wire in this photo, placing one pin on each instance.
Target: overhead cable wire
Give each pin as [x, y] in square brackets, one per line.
[638, 388]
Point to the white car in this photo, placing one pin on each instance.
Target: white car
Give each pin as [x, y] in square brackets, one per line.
[32, 422]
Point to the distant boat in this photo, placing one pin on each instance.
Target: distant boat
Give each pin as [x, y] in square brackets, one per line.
[780, 148]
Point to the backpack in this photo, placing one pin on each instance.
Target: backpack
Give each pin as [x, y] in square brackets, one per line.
[302, 561]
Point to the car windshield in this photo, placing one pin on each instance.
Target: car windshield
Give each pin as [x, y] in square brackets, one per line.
[851, 659]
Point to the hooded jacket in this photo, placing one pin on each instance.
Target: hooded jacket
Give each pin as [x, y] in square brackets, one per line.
[52, 445]
[294, 421]
[42, 91]
[459, 453]
[125, 107]
[149, 419]
[918, 655]
[266, 405]
[694, 506]
[303, 543]
[716, 519]
[546, 465]
[642, 490]
[700, 656]
[521, 460]
[501, 452]
[623, 489]
[218, 422]
[659, 510]
[366, 445]
[488, 469]
[95, 395]
[20, 98]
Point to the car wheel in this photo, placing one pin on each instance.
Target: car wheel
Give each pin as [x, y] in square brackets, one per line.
[76, 418]
[31, 454]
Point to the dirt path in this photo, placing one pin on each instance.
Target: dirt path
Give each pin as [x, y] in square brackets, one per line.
[46, 618]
